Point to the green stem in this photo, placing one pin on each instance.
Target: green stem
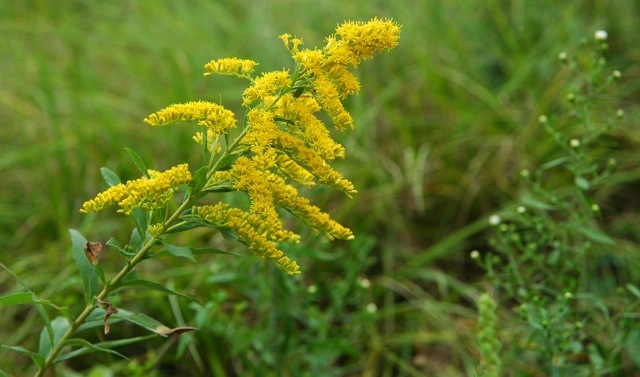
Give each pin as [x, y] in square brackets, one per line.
[108, 288]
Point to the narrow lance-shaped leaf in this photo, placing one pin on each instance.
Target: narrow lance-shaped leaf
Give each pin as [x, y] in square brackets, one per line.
[60, 325]
[198, 181]
[180, 251]
[156, 287]
[138, 161]
[36, 358]
[87, 272]
[141, 221]
[86, 347]
[110, 177]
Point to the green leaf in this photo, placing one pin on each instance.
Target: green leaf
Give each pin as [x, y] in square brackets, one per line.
[156, 287]
[17, 298]
[125, 254]
[554, 163]
[198, 181]
[596, 235]
[86, 268]
[634, 290]
[86, 347]
[37, 359]
[141, 220]
[534, 203]
[110, 177]
[227, 233]
[135, 243]
[60, 325]
[227, 161]
[210, 250]
[180, 251]
[582, 183]
[138, 161]
[220, 188]
[187, 225]
[140, 319]
[26, 298]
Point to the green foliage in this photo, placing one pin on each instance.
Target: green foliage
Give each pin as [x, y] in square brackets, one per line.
[548, 255]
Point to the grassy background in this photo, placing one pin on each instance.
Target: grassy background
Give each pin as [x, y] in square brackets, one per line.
[444, 124]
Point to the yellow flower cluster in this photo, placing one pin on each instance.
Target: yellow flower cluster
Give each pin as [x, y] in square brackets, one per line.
[146, 193]
[327, 69]
[265, 85]
[210, 115]
[364, 38]
[253, 232]
[284, 138]
[230, 66]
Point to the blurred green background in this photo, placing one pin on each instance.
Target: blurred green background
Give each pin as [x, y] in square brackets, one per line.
[444, 124]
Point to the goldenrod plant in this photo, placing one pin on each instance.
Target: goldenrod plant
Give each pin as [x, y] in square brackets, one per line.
[279, 144]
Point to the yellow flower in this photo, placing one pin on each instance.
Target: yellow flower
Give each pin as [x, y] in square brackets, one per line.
[295, 42]
[252, 232]
[294, 171]
[230, 66]
[364, 38]
[300, 111]
[329, 98]
[287, 197]
[308, 159]
[147, 193]
[265, 85]
[211, 115]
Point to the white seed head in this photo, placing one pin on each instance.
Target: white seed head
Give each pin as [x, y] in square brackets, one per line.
[521, 209]
[475, 254]
[494, 220]
[575, 143]
[601, 35]
[364, 283]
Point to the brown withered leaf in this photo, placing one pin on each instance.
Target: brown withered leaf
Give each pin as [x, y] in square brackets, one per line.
[110, 310]
[93, 249]
[165, 331]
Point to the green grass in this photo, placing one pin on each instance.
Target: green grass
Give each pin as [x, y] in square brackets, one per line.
[444, 124]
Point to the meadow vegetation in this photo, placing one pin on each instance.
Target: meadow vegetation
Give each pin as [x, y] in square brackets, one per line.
[487, 241]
